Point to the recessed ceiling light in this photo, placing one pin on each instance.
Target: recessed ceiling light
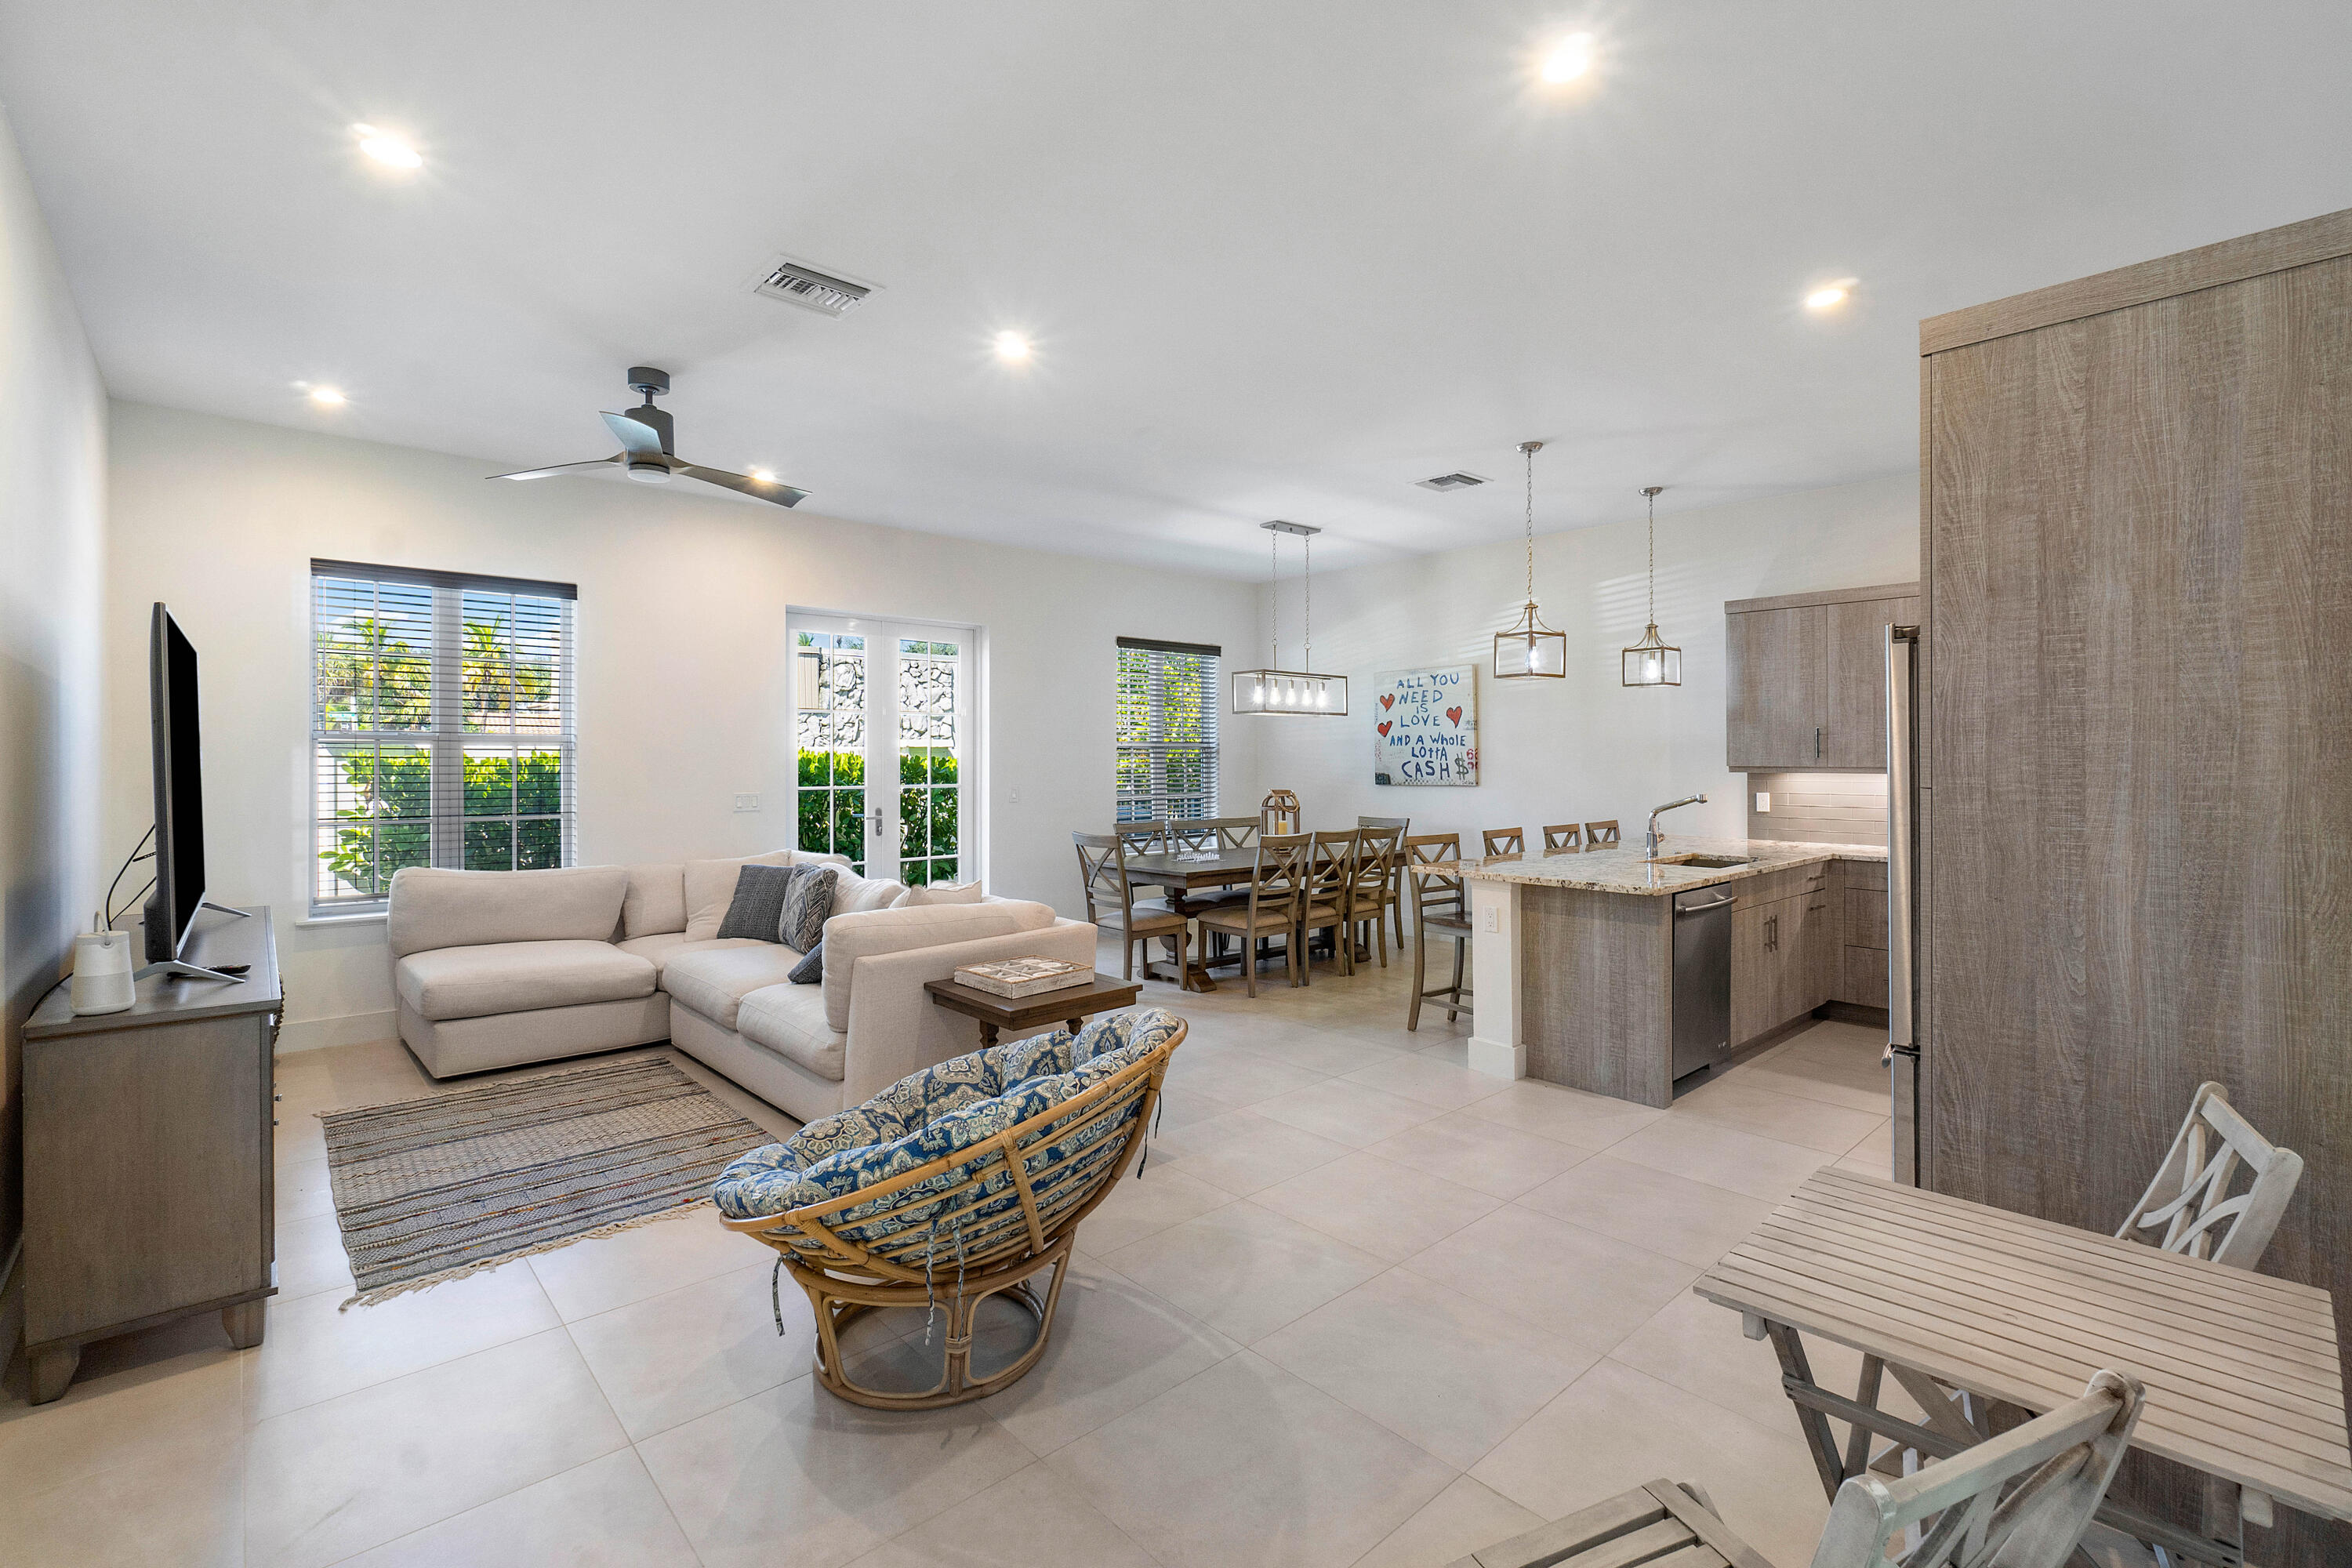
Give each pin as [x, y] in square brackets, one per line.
[386, 149]
[327, 397]
[764, 476]
[1569, 59]
[1012, 347]
[1830, 294]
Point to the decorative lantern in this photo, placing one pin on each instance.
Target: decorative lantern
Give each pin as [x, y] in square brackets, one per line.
[1529, 647]
[1652, 661]
[1278, 813]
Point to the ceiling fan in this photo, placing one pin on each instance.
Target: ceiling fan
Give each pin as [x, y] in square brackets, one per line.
[646, 455]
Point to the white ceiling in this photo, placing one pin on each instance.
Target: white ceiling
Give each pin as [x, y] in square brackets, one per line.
[1279, 259]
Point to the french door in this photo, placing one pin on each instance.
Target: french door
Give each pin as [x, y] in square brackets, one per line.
[882, 725]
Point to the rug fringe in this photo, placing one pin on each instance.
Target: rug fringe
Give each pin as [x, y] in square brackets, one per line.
[384, 1293]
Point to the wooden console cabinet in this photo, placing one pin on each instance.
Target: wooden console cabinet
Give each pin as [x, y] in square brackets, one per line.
[149, 1155]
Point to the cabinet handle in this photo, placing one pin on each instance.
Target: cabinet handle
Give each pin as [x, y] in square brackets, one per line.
[1817, 743]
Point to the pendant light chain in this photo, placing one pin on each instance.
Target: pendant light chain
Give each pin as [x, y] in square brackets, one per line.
[1653, 556]
[1307, 586]
[1273, 595]
[1530, 448]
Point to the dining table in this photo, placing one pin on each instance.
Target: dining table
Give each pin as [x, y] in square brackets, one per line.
[2241, 1369]
[1186, 874]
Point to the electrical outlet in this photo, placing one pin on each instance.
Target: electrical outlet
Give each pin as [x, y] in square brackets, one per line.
[1764, 802]
[746, 802]
[1494, 919]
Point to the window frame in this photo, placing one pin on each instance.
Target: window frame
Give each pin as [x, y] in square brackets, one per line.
[1159, 799]
[452, 733]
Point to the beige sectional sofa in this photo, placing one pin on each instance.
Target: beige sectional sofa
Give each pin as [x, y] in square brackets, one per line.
[496, 968]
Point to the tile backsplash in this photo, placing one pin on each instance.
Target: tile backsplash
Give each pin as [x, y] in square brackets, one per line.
[1821, 808]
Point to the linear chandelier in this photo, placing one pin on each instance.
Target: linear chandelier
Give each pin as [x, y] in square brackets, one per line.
[1295, 691]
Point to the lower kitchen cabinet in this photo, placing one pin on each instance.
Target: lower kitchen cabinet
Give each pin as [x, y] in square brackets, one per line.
[1784, 961]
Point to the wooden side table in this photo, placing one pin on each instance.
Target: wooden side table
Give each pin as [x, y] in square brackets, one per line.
[1071, 1006]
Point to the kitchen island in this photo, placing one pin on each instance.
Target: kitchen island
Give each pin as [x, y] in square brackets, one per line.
[1573, 954]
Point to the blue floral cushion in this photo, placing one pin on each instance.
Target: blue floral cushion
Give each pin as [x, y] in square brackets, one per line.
[965, 1100]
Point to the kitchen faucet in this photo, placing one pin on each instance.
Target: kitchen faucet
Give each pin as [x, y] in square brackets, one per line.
[1655, 839]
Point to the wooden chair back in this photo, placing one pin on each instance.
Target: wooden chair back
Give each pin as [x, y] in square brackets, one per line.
[1145, 838]
[1507, 841]
[1376, 863]
[1598, 833]
[1563, 838]
[1102, 872]
[1332, 869]
[1282, 873]
[1403, 825]
[1190, 834]
[2019, 1500]
[1438, 895]
[2190, 1198]
[1234, 832]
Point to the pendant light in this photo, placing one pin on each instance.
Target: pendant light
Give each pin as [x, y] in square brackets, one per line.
[1530, 648]
[1651, 661]
[1298, 691]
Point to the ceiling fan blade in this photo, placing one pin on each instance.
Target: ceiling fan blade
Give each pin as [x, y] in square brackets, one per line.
[638, 438]
[775, 491]
[557, 469]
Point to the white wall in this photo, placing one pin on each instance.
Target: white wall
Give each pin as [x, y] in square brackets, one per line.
[682, 669]
[52, 503]
[1583, 747]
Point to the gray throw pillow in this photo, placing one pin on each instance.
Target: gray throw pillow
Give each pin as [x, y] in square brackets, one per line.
[807, 901]
[759, 902]
[810, 968]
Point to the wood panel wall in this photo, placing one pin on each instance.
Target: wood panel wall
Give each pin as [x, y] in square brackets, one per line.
[2136, 847]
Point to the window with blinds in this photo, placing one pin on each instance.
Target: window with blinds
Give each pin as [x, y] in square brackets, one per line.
[441, 727]
[1167, 730]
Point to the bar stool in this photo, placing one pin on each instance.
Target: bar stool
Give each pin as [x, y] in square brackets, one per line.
[1564, 838]
[1441, 908]
[1599, 835]
[1401, 826]
[1505, 841]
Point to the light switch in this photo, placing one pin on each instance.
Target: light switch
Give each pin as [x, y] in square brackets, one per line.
[1764, 802]
[746, 802]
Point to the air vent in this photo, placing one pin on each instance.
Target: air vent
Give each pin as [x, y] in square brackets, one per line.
[1456, 481]
[811, 290]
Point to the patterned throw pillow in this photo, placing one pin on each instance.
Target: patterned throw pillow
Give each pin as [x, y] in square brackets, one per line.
[810, 968]
[807, 901]
[759, 902]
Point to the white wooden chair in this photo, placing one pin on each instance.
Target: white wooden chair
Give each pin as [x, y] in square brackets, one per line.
[2190, 1198]
[2021, 1501]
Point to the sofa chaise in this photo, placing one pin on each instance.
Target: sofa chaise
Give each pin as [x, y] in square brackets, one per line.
[493, 968]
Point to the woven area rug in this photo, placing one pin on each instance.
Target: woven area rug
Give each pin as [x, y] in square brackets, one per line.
[428, 1190]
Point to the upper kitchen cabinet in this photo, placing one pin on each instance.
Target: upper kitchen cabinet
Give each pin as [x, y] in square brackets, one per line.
[1806, 678]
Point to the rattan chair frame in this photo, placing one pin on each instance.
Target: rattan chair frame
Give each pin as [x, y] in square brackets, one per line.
[844, 1280]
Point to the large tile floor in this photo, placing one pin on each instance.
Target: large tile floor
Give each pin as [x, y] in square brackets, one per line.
[1364, 1307]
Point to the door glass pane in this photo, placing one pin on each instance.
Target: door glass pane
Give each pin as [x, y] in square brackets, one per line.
[829, 721]
[929, 671]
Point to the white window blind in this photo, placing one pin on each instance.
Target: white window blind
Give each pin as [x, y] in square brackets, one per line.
[1167, 730]
[441, 727]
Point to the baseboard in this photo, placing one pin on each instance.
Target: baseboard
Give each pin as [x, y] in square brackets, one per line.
[351, 1029]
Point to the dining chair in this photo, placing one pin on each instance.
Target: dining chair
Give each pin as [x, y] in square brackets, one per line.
[1402, 825]
[1441, 908]
[1372, 893]
[1191, 835]
[1145, 838]
[2022, 1500]
[1330, 880]
[1110, 898]
[1272, 908]
[1505, 841]
[1564, 838]
[1599, 835]
[2190, 1197]
[1234, 832]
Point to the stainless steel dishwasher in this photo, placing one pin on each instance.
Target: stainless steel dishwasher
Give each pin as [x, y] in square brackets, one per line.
[1702, 978]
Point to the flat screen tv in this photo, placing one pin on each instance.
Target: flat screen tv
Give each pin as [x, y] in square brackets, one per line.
[179, 789]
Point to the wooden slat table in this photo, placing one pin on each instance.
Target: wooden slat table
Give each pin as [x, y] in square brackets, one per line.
[2243, 1381]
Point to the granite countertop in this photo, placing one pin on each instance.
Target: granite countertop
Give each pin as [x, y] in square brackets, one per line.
[1625, 869]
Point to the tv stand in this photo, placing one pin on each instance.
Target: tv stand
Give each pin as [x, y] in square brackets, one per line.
[148, 1155]
[174, 969]
[224, 909]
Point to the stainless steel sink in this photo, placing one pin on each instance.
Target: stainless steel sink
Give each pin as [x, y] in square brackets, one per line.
[1711, 862]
